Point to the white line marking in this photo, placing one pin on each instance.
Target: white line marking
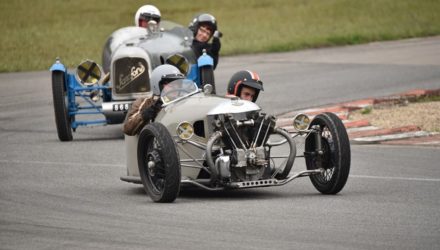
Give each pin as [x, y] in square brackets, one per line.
[394, 178]
[61, 163]
[365, 128]
[428, 143]
[119, 165]
[392, 136]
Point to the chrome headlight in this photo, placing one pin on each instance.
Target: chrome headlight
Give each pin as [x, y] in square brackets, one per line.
[180, 62]
[88, 73]
[185, 130]
[301, 122]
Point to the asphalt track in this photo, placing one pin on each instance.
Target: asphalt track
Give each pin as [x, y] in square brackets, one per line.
[56, 195]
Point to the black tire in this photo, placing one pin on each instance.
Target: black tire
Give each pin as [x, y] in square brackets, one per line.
[159, 164]
[62, 118]
[207, 77]
[336, 154]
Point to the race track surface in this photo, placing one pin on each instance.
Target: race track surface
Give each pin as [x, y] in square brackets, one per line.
[67, 195]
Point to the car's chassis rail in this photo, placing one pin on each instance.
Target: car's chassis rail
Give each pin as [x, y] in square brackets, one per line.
[74, 89]
[205, 184]
[257, 183]
[91, 99]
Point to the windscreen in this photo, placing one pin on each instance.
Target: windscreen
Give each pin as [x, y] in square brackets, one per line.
[177, 90]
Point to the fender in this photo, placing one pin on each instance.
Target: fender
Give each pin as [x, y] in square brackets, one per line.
[205, 60]
[58, 66]
[194, 72]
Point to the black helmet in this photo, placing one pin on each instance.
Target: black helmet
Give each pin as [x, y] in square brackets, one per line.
[205, 19]
[245, 78]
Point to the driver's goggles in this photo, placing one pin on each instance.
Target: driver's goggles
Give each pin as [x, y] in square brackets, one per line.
[170, 77]
[148, 17]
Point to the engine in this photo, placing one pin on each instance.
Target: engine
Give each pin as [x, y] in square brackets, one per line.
[244, 156]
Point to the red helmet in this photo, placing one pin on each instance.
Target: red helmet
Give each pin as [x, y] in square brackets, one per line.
[245, 78]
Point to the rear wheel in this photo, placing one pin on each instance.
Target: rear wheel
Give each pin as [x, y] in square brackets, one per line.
[62, 117]
[335, 157]
[159, 165]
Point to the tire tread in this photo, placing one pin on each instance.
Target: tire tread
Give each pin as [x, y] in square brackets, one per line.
[62, 120]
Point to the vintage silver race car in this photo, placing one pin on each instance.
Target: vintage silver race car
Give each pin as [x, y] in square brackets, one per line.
[92, 95]
[218, 143]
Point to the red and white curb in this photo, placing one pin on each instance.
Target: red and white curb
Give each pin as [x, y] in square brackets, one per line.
[361, 131]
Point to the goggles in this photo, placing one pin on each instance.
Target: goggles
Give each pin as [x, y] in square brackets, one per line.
[147, 17]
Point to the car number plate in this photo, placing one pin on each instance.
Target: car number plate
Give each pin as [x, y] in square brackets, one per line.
[121, 107]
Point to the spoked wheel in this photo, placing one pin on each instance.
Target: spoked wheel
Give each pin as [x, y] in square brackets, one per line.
[62, 117]
[335, 157]
[159, 165]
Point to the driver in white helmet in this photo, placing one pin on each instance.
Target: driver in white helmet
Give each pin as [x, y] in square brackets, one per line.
[145, 14]
[145, 109]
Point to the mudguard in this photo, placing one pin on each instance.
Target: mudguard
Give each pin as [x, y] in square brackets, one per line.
[58, 66]
[202, 61]
[205, 60]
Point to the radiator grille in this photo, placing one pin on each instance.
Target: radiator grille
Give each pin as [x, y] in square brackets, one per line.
[131, 76]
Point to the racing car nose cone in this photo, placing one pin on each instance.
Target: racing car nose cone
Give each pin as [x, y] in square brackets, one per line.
[236, 102]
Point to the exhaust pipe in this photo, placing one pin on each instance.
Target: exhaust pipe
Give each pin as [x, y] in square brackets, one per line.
[214, 171]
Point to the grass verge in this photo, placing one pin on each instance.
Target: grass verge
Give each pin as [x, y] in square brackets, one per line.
[34, 33]
[423, 111]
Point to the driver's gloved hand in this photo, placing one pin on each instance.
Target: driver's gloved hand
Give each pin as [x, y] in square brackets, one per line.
[158, 104]
[217, 34]
[150, 113]
[216, 45]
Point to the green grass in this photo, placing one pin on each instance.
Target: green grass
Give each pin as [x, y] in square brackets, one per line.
[35, 32]
[366, 110]
[429, 98]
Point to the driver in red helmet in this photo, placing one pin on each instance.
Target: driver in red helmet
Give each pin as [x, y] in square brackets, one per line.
[245, 84]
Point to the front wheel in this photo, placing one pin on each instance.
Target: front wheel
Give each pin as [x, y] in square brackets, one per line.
[159, 164]
[335, 156]
[62, 117]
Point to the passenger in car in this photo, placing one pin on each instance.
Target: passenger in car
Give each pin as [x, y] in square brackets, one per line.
[245, 84]
[204, 27]
[145, 109]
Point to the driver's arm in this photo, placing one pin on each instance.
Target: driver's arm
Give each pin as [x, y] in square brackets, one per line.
[215, 49]
[150, 113]
[133, 120]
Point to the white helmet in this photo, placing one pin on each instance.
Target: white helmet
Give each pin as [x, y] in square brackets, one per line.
[165, 73]
[147, 13]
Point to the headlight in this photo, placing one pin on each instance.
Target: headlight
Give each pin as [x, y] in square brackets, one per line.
[88, 73]
[180, 62]
[301, 122]
[185, 130]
